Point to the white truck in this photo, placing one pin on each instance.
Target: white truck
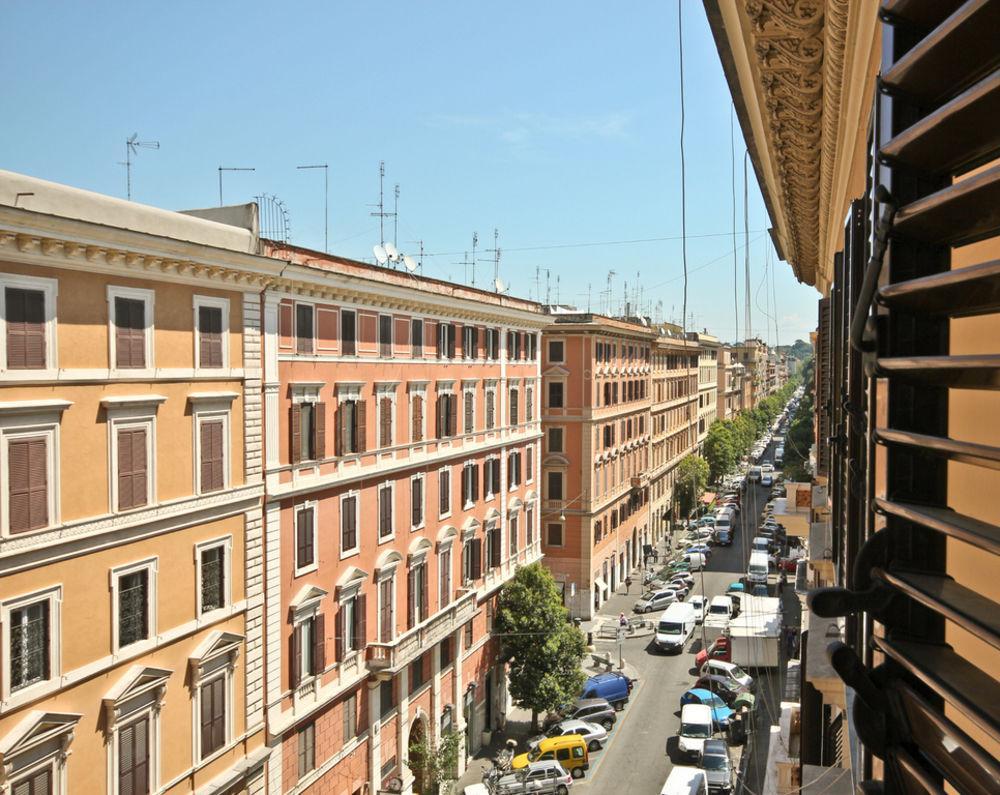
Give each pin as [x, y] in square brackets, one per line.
[755, 634]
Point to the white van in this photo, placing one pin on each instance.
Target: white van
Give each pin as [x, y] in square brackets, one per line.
[754, 475]
[757, 570]
[723, 522]
[760, 544]
[696, 559]
[685, 781]
[696, 727]
[720, 610]
[675, 627]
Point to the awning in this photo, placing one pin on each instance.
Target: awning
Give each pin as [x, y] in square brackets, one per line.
[600, 584]
[708, 497]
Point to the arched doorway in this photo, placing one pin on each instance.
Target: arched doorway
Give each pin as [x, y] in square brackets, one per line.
[417, 739]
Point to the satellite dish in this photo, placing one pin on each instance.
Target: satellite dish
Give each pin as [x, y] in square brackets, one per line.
[410, 263]
[380, 256]
[391, 251]
[499, 285]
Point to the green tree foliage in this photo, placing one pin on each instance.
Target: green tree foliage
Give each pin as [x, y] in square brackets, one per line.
[720, 450]
[542, 649]
[692, 477]
[801, 433]
[433, 766]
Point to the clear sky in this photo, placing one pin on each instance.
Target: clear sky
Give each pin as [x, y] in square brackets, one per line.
[555, 122]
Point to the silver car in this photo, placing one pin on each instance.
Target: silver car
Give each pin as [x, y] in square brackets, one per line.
[546, 778]
[593, 734]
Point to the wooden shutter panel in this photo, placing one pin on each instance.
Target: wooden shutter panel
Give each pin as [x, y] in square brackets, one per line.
[338, 641]
[319, 431]
[131, 468]
[477, 558]
[410, 591]
[423, 592]
[219, 713]
[212, 456]
[496, 476]
[385, 422]
[495, 547]
[210, 336]
[207, 712]
[438, 413]
[416, 500]
[295, 434]
[25, 328]
[338, 430]
[474, 478]
[418, 418]
[294, 657]
[319, 645]
[28, 484]
[452, 414]
[361, 425]
[465, 486]
[360, 621]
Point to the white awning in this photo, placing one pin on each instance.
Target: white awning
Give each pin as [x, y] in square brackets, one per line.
[600, 584]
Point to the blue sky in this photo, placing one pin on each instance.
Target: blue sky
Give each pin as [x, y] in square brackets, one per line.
[555, 122]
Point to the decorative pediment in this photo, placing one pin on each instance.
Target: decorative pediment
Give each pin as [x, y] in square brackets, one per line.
[307, 595]
[492, 514]
[531, 496]
[215, 644]
[515, 505]
[137, 680]
[555, 371]
[38, 727]
[555, 460]
[353, 577]
[388, 559]
[448, 533]
[419, 548]
[471, 524]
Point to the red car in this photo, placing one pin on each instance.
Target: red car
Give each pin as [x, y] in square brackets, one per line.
[717, 650]
[788, 564]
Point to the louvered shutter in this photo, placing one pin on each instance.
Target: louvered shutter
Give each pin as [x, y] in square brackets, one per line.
[444, 484]
[209, 336]
[28, 484]
[496, 476]
[338, 430]
[410, 597]
[452, 414]
[438, 414]
[295, 433]
[385, 421]
[360, 621]
[476, 547]
[495, 550]
[294, 657]
[133, 759]
[474, 478]
[25, 329]
[361, 425]
[416, 501]
[338, 640]
[130, 333]
[465, 486]
[418, 418]
[132, 467]
[304, 538]
[319, 645]
[423, 592]
[212, 456]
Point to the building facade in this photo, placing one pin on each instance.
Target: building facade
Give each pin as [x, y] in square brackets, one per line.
[130, 529]
[595, 466]
[402, 466]
[730, 377]
[708, 381]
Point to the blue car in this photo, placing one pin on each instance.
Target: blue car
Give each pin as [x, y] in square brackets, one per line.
[721, 714]
[613, 687]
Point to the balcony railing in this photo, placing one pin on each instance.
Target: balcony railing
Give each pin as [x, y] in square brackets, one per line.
[392, 656]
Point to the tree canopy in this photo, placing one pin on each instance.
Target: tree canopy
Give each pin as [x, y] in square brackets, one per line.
[692, 477]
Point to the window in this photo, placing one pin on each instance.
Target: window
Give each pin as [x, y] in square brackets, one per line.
[385, 520]
[416, 337]
[28, 496]
[512, 535]
[469, 342]
[212, 326]
[24, 315]
[213, 576]
[494, 551]
[385, 421]
[308, 431]
[417, 678]
[351, 625]
[350, 710]
[29, 643]
[308, 649]
[514, 408]
[529, 464]
[134, 597]
[495, 344]
[416, 595]
[491, 409]
[469, 399]
[472, 560]
[211, 455]
[303, 328]
[446, 653]
[417, 418]
[134, 758]
[556, 351]
[470, 485]
[555, 535]
[351, 426]
[555, 484]
[555, 440]
[348, 524]
[38, 782]
[416, 502]
[529, 527]
[386, 609]
[348, 332]
[385, 336]
[213, 715]
[307, 749]
[555, 394]
[447, 407]
[444, 492]
[513, 470]
[531, 341]
[131, 327]
[529, 404]
[491, 476]
[305, 539]
[387, 696]
[470, 635]
[444, 578]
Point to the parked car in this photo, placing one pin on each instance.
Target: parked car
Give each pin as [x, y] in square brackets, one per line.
[720, 610]
[696, 561]
[569, 750]
[704, 549]
[717, 766]
[681, 564]
[593, 734]
[655, 600]
[683, 577]
[685, 781]
[546, 777]
[732, 670]
[718, 649]
[760, 590]
[700, 605]
[592, 710]
[721, 714]
[733, 694]
[614, 687]
[696, 727]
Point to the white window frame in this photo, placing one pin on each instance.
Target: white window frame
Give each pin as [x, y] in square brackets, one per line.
[391, 485]
[529, 455]
[223, 669]
[50, 289]
[354, 494]
[150, 712]
[386, 573]
[53, 596]
[414, 390]
[207, 414]
[131, 421]
[148, 297]
[511, 485]
[213, 302]
[56, 762]
[469, 388]
[467, 465]
[308, 505]
[491, 388]
[349, 596]
[529, 401]
[301, 613]
[515, 387]
[386, 390]
[27, 427]
[423, 499]
[151, 565]
[445, 546]
[451, 494]
[548, 350]
[226, 543]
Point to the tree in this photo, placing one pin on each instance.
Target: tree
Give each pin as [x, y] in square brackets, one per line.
[720, 450]
[433, 765]
[692, 475]
[542, 649]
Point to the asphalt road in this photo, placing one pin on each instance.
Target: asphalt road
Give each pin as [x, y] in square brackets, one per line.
[635, 760]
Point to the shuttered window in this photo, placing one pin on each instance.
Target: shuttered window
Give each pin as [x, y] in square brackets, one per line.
[212, 456]
[417, 337]
[305, 538]
[444, 578]
[385, 527]
[556, 394]
[529, 527]
[444, 491]
[133, 758]
[28, 493]
[213, 716]
[37, 783]
[417, 501]
[303, 328]
[385, 422]
[348, 332]
[491, 409]
[209, 336]
[25, 328]
[512, 536]
[29, 644]
[469, 407]
[307, 749]
[352, 430]
[348, 524]
[130, 333]
[386, 617]
[133, 466]
[417, 419]
[385, 336]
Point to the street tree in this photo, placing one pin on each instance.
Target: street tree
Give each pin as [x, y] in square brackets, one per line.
[433, 765]
[720, 450]
[542, 649]
[692, 477]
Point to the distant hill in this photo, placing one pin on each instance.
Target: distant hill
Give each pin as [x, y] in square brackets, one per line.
[800, 349]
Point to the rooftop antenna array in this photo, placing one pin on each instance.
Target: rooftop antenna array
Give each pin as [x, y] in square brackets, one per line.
[275, 223]
[326, 203]
[475, 242]
[465, 266]
[420, 260]
[381, 214]
[395, 215]
[606, 302]
[132, 147]
[225, 168]
[495, 251]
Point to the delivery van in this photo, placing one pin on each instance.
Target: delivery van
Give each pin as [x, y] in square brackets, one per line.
[675, 627]
[685, 780]
[757, 570]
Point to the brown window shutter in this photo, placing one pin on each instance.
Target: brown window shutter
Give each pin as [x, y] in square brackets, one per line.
[294, 657]
[477, 558]
[465, 485]
[418, 418]
[410, 600]
[28, 484]
[131, 468]
[295, 435]
[385, 421]
[444, 485]
[210, 336]
[319, 645]
[304, 552]
[360, 621]
[25, 329]
[475, 482]
[338, 430]
[130, 333]
[338, 641]
[496, 476]
[423, 592]
[452, 414]
[361, 423]
[496, 551]
[212, 456]
[319, 431]
[416, 501]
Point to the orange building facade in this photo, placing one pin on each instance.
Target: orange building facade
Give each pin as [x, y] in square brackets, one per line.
[402, 463]
[130, 525]
[595, 466]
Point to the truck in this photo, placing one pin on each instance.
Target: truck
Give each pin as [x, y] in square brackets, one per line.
[755, 635]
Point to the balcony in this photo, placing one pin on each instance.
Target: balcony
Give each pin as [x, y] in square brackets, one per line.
[391, 657]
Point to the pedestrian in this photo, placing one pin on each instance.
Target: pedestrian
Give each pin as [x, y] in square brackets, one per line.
[622, 621]
[628, 583]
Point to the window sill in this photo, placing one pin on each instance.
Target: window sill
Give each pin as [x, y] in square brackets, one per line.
[443, 516]
[386, 539]
[305, 570]
[350, 553]
[414, 528]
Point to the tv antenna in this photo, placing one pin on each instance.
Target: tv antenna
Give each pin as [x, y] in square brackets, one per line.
[132, 147]
[275, 223]
[495, 251]
[607, 292]
[395, 214]
[326, 203]
[475, 242]
[224, 168]
[381, 214]
[420, 260]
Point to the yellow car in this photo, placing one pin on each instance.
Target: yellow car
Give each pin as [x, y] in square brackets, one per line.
[570, 751]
